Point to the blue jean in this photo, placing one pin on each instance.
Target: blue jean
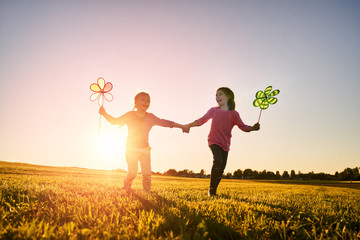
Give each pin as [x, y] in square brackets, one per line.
[219, 164]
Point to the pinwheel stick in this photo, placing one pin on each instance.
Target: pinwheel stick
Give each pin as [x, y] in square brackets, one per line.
[99, 124]
[259, 116]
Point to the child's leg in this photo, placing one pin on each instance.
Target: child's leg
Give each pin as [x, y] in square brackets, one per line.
[217, 168]
[223, 165]
[132, 162]
[145, 163]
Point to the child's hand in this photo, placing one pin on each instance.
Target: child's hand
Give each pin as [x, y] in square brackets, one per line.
[102, 111]
[256, 127]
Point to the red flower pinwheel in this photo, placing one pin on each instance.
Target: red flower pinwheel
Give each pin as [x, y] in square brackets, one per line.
[101, 91]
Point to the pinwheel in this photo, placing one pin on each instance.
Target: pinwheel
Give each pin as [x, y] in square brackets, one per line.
[101, 91]
[264, 99]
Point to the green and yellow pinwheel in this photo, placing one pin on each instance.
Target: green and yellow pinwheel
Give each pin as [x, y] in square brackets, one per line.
[265, 98]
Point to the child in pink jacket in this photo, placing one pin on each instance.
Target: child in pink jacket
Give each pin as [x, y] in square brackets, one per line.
[224, 118]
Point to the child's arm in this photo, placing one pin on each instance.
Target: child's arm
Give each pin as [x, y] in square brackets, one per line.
[167, 123]
[108, 117]
[201, 120]
[193, 124]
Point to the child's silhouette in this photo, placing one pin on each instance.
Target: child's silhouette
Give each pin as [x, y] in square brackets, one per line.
[139, 124]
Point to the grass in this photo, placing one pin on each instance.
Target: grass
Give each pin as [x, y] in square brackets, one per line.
[39, 202]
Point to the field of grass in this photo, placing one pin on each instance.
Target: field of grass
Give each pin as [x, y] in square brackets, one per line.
[38, 202]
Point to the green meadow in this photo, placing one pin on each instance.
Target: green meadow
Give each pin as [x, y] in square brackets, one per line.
[39, 202]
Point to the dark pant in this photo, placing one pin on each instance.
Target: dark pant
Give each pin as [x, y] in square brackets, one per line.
[219, 164]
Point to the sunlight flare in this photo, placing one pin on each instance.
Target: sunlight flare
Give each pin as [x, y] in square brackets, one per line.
[109, 146]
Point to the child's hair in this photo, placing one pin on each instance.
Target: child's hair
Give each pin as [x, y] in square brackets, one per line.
[230, 95]
[137, 97]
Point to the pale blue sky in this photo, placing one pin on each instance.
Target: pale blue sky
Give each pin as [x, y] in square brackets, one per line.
[180, 52]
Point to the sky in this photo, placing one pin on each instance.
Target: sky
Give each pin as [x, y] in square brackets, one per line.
[180, 52]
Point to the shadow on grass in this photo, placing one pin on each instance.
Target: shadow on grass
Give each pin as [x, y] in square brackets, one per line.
[185, 222]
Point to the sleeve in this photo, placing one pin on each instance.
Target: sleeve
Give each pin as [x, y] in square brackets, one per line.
[161, 122]
[206, 117]
[116, 121]
[122, 120]
[238, 122]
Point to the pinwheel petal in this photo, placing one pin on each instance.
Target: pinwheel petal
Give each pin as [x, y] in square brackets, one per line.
[272, 100]
[274, 93]
[101, 100]
[108, 86]
[108, 96]
[260, 94]
[101, 83]
[95, 88]
[264, 105]
[94, 96]
[257, 102]
[268, 90]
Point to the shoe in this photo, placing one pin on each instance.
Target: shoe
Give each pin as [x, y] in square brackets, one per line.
[211, 194]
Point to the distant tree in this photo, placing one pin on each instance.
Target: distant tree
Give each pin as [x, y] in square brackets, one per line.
[183, 173]
[228, 175]
[322, 176]
[357, 173]
[348, 174]
[277, 175]
[270, 175]
[255, 174]
[301, 175]
[238, 174]
[311, 174]
[171, 172]
[292, 174]
[262, 174]
[248, 173]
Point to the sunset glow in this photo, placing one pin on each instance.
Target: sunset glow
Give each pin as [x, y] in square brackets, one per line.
[109, 147]
[180, 52]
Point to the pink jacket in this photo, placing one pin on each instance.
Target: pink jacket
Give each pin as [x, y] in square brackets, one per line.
[221, 126]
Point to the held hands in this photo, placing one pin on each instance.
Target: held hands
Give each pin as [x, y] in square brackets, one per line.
[185, 128]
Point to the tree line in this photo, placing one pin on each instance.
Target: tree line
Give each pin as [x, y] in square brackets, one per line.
[348, 174]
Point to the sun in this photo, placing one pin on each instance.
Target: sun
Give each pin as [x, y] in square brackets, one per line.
[110, 148]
